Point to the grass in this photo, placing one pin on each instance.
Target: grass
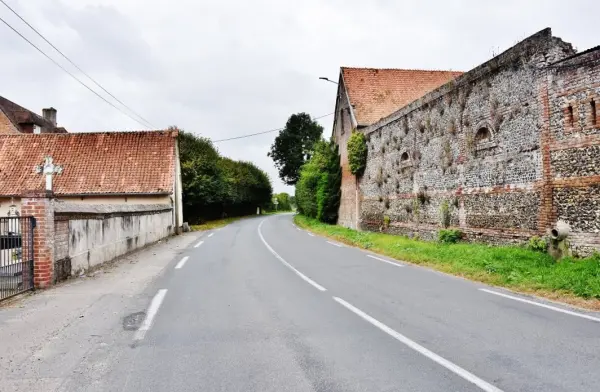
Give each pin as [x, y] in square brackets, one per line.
[576, 281]
[215, 224]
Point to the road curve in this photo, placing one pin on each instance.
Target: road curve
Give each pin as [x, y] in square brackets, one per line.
[260, 305]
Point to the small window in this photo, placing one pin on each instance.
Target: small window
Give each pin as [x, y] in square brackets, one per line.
[594, 114]
[483, 135]
[570, 116]
[404, 157]
[342, 121]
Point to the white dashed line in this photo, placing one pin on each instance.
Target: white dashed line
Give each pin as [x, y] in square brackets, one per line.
[211, 234]
[385, 261]
[198, 244]
[556, 309]
[334, 244]
[487, 387]
[181, 262]
[152, 311]
[310, 234]
[300, 274]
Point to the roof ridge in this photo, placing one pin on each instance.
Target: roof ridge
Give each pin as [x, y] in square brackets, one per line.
[401, 69]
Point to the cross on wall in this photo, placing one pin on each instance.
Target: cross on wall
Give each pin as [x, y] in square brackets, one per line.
[49, 169]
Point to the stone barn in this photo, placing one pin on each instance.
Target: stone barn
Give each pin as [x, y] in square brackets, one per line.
[502, 152]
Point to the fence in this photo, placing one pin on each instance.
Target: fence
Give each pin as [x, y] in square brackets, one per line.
[16, 255]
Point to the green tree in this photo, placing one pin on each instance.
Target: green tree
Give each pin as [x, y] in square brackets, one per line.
[294, 146]
[214, 186]
[283, 200]
[318, 189]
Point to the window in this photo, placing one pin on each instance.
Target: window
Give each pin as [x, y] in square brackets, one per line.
[483, 135]
[570, 116]
[342, 121]
[594, 114]
[404, 157]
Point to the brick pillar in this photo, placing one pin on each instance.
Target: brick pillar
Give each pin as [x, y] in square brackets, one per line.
[39, 205]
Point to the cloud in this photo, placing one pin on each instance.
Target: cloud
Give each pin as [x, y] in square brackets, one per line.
[231, 67]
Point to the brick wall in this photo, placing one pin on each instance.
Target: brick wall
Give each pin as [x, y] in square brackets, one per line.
[342, 130]
[573, 147]
[6, 126]
[493, 146]
[39, 205]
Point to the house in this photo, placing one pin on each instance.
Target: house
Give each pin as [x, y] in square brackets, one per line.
[16, 119]
[364, 96]
[111, 193]
[504, 152]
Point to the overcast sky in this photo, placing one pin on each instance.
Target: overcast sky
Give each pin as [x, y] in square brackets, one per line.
[228, 68]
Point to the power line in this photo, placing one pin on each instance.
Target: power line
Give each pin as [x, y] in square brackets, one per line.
[71, 74]
[262, 133]
[75, 65]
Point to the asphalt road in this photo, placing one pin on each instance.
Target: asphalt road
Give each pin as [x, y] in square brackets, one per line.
[262, 306]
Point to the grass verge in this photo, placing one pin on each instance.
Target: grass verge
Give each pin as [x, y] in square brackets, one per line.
[215, 224]
[574, 281]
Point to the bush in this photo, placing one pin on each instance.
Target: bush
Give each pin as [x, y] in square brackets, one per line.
[318, 190]
[449, 236]
[357, 153]
[537, 244]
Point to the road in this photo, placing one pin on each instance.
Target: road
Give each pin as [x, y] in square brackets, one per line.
[261, 305]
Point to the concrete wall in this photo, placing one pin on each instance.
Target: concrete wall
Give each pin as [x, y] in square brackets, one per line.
[491, 145]
[97, 236]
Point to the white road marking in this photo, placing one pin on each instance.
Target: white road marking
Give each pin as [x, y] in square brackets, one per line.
[198, 244]
[556, 309]
[181, 262]
[334, 244]
[211, 234]
[300, 274]
[421, 350]
[152, 311]
[310, 234]
[386, 261]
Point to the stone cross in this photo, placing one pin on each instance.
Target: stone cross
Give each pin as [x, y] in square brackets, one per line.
[48, 168]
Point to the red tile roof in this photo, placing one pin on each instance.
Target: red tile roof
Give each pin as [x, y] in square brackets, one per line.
[18, 115]
[93, 163]
[377, 93]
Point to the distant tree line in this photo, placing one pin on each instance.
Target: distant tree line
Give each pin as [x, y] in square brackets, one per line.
[214, 186]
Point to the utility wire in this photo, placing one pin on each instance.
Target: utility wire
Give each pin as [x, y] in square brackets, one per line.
[75, 65]
[261, 133]
[71, 74]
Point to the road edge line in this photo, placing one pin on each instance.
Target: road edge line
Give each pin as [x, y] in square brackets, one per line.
[182, 262]
[542, 305]
[386, 261]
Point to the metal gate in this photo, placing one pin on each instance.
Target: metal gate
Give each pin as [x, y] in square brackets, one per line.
[16, 255]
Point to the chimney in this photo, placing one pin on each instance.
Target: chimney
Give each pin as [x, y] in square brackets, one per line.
[49, 114]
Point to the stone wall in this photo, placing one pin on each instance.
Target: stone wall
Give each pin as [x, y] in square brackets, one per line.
[573, 147]
[491, 146]
[99, 233]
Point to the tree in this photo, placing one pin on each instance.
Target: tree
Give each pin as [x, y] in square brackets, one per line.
[318, 190]
[357, 153]
[214, 186]
[283, 200]
[294, 146]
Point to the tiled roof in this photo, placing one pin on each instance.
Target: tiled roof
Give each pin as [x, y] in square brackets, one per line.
[377, 93]
[19, 115]
[93, 163]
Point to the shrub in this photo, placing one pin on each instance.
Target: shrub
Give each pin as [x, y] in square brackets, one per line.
[445, 214]
[449, 236]
[386, 222]
[537, 244]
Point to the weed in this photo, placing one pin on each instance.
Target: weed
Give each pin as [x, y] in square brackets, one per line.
[537, 244]
[423, 197]
[386, 222]
[445, 214]
[449, 236]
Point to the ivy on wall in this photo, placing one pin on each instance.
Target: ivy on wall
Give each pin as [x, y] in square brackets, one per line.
[357, 153]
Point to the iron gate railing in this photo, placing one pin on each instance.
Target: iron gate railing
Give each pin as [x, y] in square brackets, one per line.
[16, 255]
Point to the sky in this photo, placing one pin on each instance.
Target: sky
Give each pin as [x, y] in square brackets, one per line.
[227, 68]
